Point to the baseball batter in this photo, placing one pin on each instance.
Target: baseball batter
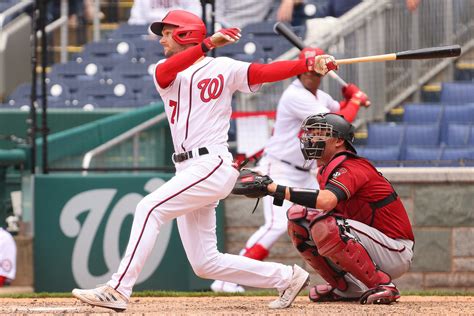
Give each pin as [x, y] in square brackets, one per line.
[282, 159]
[7, 257]
[197, 93]
[354, 231]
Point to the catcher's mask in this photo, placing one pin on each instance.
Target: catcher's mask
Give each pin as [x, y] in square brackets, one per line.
[317, 129]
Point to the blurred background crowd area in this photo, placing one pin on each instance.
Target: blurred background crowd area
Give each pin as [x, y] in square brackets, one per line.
[100, 56]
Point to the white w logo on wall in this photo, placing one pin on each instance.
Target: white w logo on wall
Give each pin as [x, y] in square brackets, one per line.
[95, 203]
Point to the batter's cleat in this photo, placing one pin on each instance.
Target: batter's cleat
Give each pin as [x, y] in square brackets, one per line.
[325, 293]
[383, 294]
[226, 287]
[103, 296]
[299, 281]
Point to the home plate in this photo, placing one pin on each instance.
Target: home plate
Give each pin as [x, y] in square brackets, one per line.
[47, 309]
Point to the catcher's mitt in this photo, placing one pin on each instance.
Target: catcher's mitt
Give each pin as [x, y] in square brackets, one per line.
[251, 184]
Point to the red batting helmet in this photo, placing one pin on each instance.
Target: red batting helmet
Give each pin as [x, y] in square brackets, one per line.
[190, 29]
[309, 52]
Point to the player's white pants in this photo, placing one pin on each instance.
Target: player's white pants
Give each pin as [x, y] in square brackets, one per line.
[393, 256]
[276, 223]
[192, 195]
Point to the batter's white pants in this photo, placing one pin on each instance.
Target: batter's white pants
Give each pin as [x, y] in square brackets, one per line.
[276, 222]
[191, 196]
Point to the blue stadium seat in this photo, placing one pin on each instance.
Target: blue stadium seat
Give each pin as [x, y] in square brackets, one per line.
[422, 134]
[457, 134]
[458, 113]
[245, 50]
[146, 47]
[422, 156]
[458, 156]
[129, 31]
[72, 72]
[150, 94]
[385, 134]
[104, 95]
[382, 156]
[259, 28]
[131, 71]
[108, 53]
[56, 91]
[457, 92]
[422, 113]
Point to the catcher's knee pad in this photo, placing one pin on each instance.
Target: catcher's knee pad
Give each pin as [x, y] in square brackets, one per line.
[298, 230]
[334, 242]
[257, 252]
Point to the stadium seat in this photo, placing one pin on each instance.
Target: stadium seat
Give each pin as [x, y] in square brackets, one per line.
[422, 134]
[55, 91]
[422, 113]
[129, 31]
[458, 156]
[457, 134]
[457, 92]
[422, 156]
[382, 156]
[104, 95]
[108, 53]
[145, 47]
[245, 50]
[72, 72]
[458, 113]
[385, 134]
[259, 28]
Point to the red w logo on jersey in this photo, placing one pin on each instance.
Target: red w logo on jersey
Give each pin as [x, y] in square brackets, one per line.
[211, 88]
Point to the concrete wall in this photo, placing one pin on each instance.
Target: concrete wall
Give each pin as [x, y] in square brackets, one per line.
[440, 204]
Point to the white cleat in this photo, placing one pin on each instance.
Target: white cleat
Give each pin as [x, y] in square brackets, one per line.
[103, 296]
[226, 287]
[298, 282]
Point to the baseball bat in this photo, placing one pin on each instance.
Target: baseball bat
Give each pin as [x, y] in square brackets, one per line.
[422, 53]
[282, 29]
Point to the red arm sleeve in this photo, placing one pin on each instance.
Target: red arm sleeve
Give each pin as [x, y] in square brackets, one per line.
[349, 110]
[166, 72]
[276, 71]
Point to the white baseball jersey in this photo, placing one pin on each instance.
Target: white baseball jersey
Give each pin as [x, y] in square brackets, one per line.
[296, 104]
[148, 11]
[200, 116]
[7, 255]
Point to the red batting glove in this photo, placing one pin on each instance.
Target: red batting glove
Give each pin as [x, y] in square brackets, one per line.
[221, 38]
[351, 92]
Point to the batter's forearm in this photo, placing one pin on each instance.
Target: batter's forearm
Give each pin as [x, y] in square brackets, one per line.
[276, 71]
[166, 72]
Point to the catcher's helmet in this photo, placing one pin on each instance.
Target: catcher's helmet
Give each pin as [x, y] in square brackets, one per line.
[319, 128]
[190, 29]
[309, 52]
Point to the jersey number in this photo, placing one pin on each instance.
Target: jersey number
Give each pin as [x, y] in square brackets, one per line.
[174, 105]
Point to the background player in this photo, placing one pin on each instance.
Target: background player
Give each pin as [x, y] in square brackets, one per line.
[362, 238]
[197, 92]
[282, 159]
[7, 257]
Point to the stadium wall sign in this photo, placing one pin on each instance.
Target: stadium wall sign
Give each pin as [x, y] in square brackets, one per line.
[82, 224]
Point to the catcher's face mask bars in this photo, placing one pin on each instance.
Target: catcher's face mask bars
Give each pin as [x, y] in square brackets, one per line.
[313, 140]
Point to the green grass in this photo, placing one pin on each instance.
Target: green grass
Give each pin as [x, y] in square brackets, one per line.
[212, 294]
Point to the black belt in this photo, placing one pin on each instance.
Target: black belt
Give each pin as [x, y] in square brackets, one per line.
[296, 167]
[189, 154]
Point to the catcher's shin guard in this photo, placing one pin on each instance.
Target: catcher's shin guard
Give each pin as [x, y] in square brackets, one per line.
[342, 249]
[257, 252]
[298, 230]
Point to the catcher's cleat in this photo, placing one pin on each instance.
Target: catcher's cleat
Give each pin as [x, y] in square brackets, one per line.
[325, 293]
[298, 282]
[382, 294]
[102, 296]
[226, 287]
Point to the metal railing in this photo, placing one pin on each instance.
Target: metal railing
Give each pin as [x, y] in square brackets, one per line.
[378, 27]
[134, 132]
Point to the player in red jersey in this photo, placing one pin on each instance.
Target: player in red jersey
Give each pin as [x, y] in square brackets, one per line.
[354, 231]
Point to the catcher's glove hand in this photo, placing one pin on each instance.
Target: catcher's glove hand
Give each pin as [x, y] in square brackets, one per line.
[251, 184]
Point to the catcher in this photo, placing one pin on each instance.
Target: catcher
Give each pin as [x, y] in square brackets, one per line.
[354, 231]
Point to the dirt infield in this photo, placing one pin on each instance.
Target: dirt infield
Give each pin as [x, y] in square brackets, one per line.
[241, 305]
